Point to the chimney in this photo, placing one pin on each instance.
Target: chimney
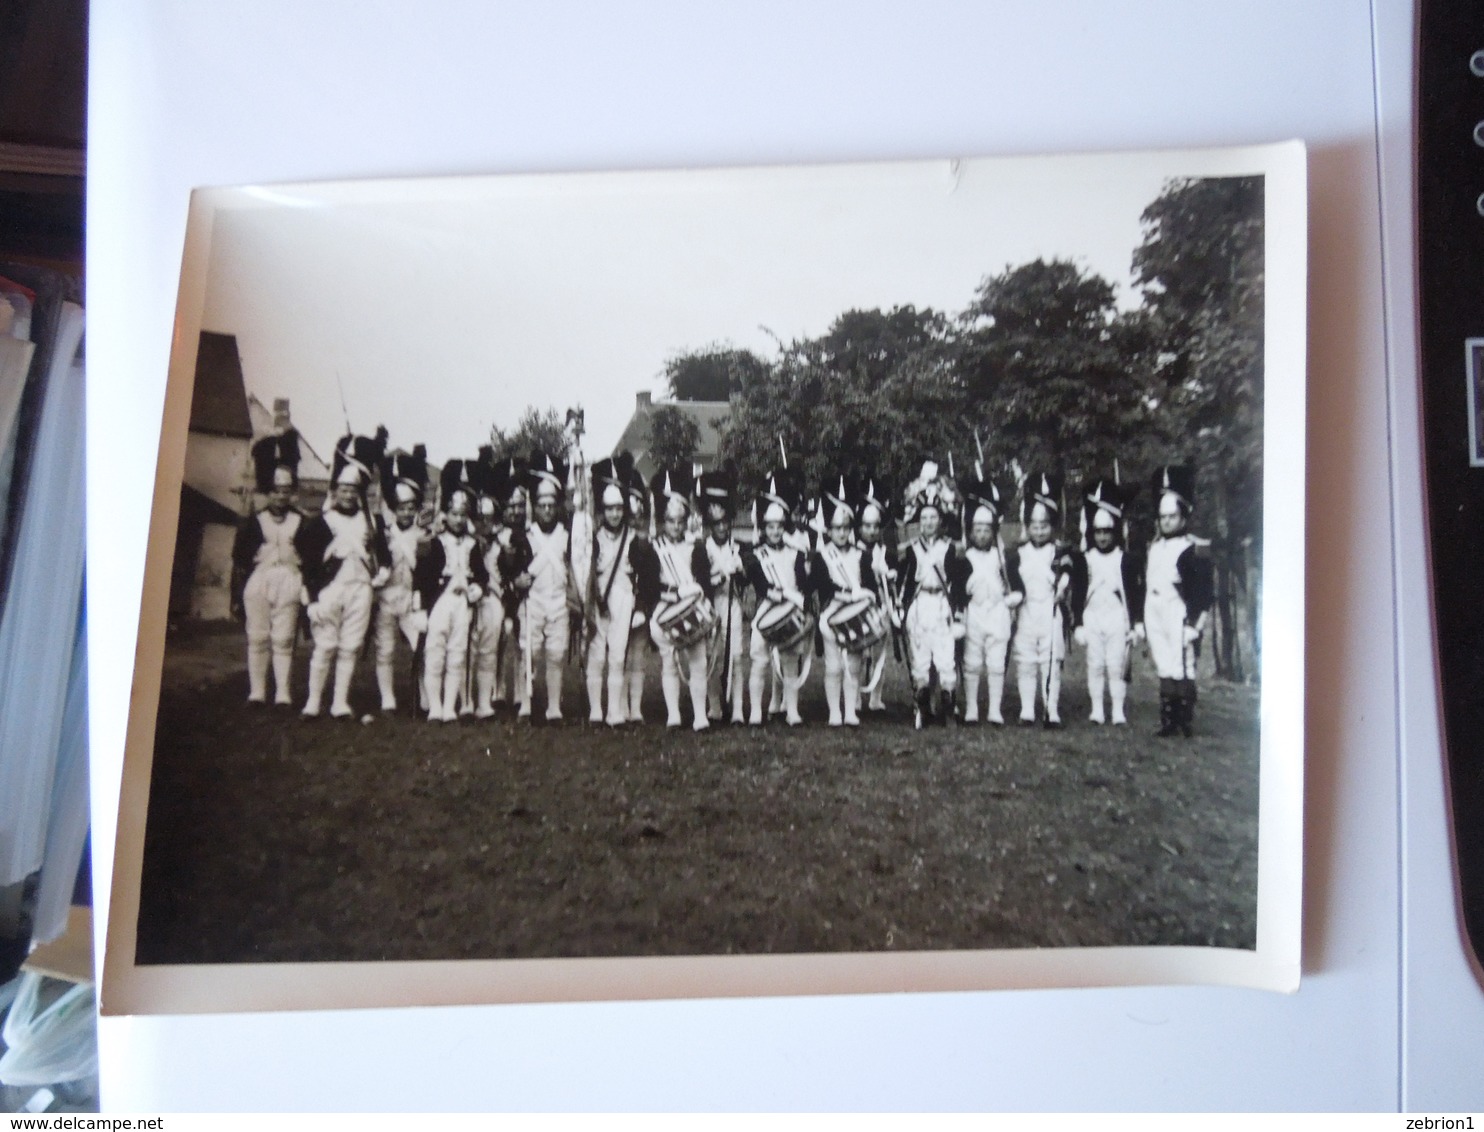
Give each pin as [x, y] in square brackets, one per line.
[643, 401]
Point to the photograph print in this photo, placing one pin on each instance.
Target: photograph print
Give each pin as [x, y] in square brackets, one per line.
[847, 564]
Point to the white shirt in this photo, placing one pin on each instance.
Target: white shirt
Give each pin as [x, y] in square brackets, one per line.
[1037, 571]
[1105, 581]
[1162, 573]
[986, 583]
[349, 535]
[278, 540]
[403, 545]
[548, 568]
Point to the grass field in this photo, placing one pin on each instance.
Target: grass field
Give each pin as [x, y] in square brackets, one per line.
[272, 838]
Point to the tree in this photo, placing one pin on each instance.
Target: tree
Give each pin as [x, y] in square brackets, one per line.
[1050, 370]
[1201, 264]
[538, 428]
[674, 436]
[713, 373]
[876, 392]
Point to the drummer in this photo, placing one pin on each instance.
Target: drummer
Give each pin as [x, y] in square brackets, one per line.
[779, 576]
[842, 580]
[682, 566]
[879, 560]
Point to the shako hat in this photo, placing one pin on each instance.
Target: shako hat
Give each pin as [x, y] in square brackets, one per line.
[984, 502]
[404, 476]
[358, 458]
[507, 480]
[469, 478]
[1177, 480]
[873, 494]
[716, 492]
[272, 457]
[841, 496]
[1106, 497]
[672, 485]
[1042, 489]
[610, 480]
[780, 494]
[546, 475]
[931, 488]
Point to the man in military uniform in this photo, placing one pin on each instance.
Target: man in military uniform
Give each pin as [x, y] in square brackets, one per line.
[778, 573]
[451, 580]
[682, 566]
[620, 570]
[989, 617]
[404, 482]
[343, 559]
[934, 576]
[1041, 570]
[1107, 598]
[1177, 599]
[265, 569]
[546, 583]
[512, 556]
[727, 680]
[879, 557]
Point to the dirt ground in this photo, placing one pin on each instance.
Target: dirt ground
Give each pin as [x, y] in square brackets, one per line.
[273, 838]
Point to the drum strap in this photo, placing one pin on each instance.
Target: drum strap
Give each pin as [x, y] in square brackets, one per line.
[792, 685]
[834, 562]
[793, 597]
[878, 670]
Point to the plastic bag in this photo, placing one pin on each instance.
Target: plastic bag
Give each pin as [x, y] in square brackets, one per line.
[49, 1043]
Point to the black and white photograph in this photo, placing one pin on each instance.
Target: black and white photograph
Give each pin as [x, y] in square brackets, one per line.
[867, 563]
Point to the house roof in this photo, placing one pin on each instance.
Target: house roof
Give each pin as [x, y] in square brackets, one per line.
[710, 416]
[197, 508]
[312, 466]
[219, 400]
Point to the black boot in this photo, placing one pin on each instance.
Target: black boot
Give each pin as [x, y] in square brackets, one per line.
[946, 716]
[923, 708]
[1187, 709]
[1169, 709]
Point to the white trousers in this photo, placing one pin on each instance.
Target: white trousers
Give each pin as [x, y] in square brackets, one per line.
[679, 665]
[270, 603]
[842, 681]
[790, 663]
[607, 655]
[343, 614]
[446, 655]
[547, 639]
[1039, 650]
[1164, 622]
[930, 629]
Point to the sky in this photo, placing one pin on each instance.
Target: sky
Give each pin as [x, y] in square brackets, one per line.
[439, 308]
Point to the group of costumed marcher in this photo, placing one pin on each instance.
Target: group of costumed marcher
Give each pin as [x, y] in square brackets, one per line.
[527, 564]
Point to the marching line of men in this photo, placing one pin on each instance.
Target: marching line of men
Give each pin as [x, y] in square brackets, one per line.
[497, 589]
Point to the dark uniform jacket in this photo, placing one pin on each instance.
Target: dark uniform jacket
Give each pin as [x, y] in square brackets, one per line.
[314, 539]
[1131, 593]
[245, 548]
[758, 577]
[956, 571]
[430, 576]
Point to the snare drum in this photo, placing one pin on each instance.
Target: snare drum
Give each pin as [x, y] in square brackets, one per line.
[782, 624]
[857, 625]
[685, 622]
